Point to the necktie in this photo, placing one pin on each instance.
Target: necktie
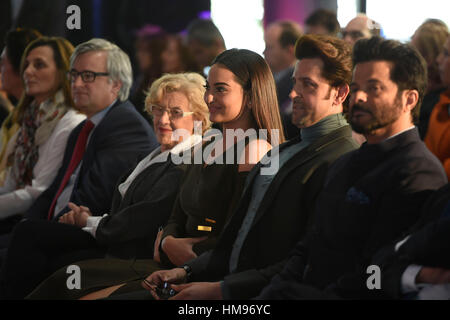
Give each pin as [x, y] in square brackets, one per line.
[77, 155]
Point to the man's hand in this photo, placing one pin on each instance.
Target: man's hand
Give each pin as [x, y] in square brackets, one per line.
[198, 291]
[157, 279]
[179, 250]
[76, 216]
[433, 275]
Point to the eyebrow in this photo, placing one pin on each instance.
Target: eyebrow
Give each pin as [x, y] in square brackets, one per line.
[306, 78]
[173, 107]
[375, 81]
[221, 84]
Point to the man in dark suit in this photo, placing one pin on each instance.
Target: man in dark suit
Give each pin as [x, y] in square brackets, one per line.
[280, 38]
[372, 195]
[101, 79]
[276, 208]
[418, 266]
[112, 139]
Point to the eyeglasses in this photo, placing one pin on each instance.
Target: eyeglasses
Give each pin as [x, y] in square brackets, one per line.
[174, 113]
[353, 34]
[86, 76]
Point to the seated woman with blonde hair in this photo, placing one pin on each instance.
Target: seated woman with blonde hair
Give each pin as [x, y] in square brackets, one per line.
[141, 203]
[241, 97]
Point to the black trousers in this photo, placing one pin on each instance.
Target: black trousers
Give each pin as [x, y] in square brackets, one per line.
[37, 248]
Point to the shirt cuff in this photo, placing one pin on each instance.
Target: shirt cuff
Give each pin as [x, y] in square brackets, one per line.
[408, 281]
[400, 243]
[92, 224]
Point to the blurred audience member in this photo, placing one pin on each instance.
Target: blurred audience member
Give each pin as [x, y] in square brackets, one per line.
[11, 83]
[205, 42]
[322, 21]
[280, 38]
[429, 39]
[46, 117]
[437, 138]
[176, 57]
[150, 43]
[360, 27]
[5, 105]
[47, 16]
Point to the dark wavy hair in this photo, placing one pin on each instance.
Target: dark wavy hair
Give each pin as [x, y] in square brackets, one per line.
[334, 53]
[409, 70]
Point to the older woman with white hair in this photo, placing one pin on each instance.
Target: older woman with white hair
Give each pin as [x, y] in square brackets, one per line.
[142, 200]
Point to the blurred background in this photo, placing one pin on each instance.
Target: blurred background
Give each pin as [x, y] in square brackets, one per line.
[241, 22]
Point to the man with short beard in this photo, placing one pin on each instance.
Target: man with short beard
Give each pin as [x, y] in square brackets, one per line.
[372, 195]
[276, 209]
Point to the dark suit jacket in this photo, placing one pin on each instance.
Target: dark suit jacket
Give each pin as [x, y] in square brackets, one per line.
[121, 139]
[371, 197]
[281, 220]
[428, 244]
[129, 231]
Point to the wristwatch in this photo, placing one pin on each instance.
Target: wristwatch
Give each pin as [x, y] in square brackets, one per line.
[188, 270]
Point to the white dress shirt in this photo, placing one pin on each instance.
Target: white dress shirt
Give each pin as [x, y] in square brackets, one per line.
[15, 201]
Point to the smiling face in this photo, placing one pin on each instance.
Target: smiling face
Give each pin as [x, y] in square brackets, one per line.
[224, 95]
[40, 73]
[311, 94]
[164, 126]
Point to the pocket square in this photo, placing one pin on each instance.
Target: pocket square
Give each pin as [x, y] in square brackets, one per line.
[356, 196]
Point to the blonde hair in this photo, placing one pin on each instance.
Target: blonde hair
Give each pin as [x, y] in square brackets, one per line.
[190, 84]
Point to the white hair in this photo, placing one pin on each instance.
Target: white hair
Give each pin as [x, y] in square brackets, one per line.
[117, 62]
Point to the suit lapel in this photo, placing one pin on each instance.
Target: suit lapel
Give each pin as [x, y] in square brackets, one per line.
[151, 174]
[299, 159]
[91, 147]
[257, 168]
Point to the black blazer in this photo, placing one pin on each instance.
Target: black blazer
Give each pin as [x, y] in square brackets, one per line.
[121, 139]
[428, 244]
[371, 197]
[129, 231]
[281, 220]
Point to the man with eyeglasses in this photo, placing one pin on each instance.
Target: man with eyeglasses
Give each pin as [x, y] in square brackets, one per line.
[99, 150]
[100, 77]
[360, 27]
